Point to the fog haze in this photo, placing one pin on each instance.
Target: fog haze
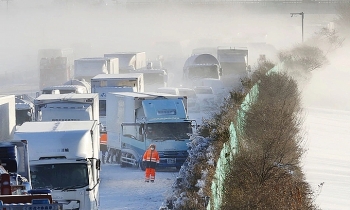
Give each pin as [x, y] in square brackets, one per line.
[169, 30]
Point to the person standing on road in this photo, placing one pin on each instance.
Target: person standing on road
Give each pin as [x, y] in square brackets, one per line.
[150, 159]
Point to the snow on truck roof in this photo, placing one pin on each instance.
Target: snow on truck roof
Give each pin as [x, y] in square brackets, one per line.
[68, 139]
[117, 76]
[56, 126]
[66, 96]
[147, 95]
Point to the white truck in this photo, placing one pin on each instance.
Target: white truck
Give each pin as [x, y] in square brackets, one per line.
[87, 68]
[64, 157]
[66, 107]
[129, 61]
[154, 78]
[200, 66]
[105, 83]
[135, 120]
[234, 63]
[8, 116]
[55, 66]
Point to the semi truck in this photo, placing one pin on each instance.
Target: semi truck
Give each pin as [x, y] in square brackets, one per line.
[8, 116]
[200, 66]
[129, 61]
[135, 120]
[55, 66]
[87, 68]
[15, 180]
[234, 63]
[64, 157]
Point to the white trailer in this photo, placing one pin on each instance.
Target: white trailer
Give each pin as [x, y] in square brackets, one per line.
[154, 78]
[135, 120]
[105, 83]
[66, 107]
[8, 116]
[64, 157]
[129, 61]
[87, 68]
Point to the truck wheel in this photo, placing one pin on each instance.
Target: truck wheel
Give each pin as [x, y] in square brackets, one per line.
[142, 166]
[123, 165]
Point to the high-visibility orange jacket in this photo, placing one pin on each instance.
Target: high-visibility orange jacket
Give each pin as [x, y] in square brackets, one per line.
[151, 158]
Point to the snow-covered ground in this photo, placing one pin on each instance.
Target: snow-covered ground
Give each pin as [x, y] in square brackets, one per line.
[327, 126]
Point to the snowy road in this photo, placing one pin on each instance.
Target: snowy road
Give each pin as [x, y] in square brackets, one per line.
[124, 188]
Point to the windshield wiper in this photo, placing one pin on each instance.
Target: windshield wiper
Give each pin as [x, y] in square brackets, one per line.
[73, 187]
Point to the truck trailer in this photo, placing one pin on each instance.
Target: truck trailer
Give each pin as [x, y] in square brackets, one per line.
[135, 120]
[66, 107]
[87, 68]
[55, 66]
[8, 116]
[129, 61]
[64, 157]
[234, 63]
[105, 83]
[154, 78]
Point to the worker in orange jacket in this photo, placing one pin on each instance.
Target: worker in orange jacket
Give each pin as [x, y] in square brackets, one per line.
[150, 160]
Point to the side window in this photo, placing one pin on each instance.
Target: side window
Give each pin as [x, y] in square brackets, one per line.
[102, 105]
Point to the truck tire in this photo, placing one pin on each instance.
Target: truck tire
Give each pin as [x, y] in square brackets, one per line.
[142, 166]
[123, 165]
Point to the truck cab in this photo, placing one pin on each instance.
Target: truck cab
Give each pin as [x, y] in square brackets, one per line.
[200, 66]
[135, 120]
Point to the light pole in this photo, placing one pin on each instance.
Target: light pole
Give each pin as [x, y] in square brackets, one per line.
[302, 23]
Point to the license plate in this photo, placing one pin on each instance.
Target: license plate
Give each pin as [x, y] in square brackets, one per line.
[171, 160]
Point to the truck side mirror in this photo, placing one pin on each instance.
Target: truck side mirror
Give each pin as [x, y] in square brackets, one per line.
[98, 164]
[140, 130]
[220, 71]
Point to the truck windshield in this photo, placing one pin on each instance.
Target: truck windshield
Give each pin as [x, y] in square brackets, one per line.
[23, 116]
[59, 176]
[203, 72]
[164, 131]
